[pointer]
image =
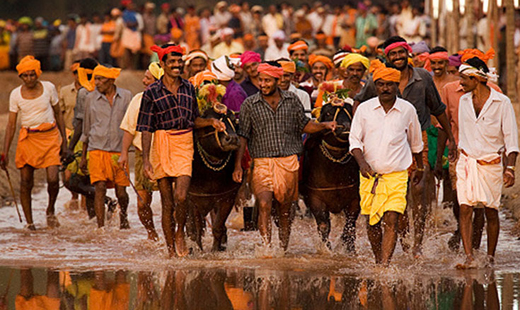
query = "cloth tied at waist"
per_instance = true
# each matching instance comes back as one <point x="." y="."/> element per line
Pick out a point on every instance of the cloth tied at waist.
<point x="172" y="153"/>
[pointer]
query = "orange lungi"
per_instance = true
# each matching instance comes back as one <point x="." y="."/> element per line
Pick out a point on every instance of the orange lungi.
<point x="278" y="175"/>
<point x="36" y="303"/>
<point x="172" y="153"/>
<point x="39" y="147"/>
<point x="102" y="166"/>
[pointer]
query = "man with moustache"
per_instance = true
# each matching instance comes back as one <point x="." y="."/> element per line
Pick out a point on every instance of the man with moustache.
<point x="249" y="62"/>
<point x="488" y="144"/>
<point x="169" y="110"/>
<point x="320" y="68"/>
<point x="196" y="61"/>
<point x="271" y="124"/>
<point x="384" y="136"/>
<point x="289" y="69"/>
<point x="417" y="87"/>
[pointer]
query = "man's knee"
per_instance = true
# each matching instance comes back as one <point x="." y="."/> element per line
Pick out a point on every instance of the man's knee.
<point x="100" y="186"/>
<point x="180" y="196"/>
<point x="491" y="214"/>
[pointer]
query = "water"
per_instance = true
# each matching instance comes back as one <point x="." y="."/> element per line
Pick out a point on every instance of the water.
<point x="81" y="266"/>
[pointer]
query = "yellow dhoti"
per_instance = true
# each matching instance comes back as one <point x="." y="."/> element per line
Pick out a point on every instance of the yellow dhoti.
<point x="38" y="147"/>
<point x="278" y="175"/>
<point x="172" y="153"/>
<point x="389" y="194"/>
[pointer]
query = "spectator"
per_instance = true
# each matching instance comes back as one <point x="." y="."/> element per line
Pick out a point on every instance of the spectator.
<point x="24" y="38"/>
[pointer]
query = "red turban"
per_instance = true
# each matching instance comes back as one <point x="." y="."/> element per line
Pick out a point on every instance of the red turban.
<point x="170" y="49"/>
<point x="396" y="45"/>
<point x="249" y="57"/>
<point x="270" y="70"/>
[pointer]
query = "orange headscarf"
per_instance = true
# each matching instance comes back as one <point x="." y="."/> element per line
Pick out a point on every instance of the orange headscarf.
<point x="109" y="73"/>
<point x="83" y="78"/>
<point x="473" y="52"/>
<point x="380" y="71"/>
<point x="28" y="63"/>
<point x="298" y="45"/>
<point x="288" y="66"/>
<point x="270" y="70"/>
<point x="319" y="58"/>
<point x="201" y="77"/>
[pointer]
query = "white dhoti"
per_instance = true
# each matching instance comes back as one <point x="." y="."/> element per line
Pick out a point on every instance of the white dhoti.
<point x="479" y="180"/>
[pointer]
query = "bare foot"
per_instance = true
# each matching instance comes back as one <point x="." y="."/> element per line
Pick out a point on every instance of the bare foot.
<point x="180" y="244"/>
<point x="153" y="236"/>
<point x="72" y="204"/>
<point x="52" y="221"/>
<point x="124" y="222"/>
<point x="30" y="227"/>
<point x="470" y="263"/>
<point x="417" y="253"/>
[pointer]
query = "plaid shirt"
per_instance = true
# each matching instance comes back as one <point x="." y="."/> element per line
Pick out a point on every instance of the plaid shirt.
<point x="273" y="133"/>
<point x="162" y="110"/>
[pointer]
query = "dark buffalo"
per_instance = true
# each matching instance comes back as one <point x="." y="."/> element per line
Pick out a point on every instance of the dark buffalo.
<point x="330" y="180"/>
<point x="212" y="188"/>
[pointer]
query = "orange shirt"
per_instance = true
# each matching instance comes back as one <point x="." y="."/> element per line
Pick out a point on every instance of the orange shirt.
<point x="108" y="27"/>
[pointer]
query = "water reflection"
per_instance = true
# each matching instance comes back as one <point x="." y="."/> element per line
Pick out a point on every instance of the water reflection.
<point x="251" y="289"/>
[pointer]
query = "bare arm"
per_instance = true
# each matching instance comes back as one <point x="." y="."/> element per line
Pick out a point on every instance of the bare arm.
<point x="61" y="126"/>
<point x="206" y="122"/>
<point x="443" y="120"/>
<point x="418" y="173"/>
<point x="364" y="167"/>
<point x="509" y="173"/>
<point x="313" y="127"/>
<point x="9" y="135"/>
<point x="441" y="145"/>
<point x="146" y="140"/>
<point x="127" y="142"/>
<point x="78" y="130"/>
<point x="237" y="174"/>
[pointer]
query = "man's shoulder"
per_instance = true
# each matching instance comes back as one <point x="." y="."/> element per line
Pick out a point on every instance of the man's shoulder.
<point x="451" y="86"/>
<point x="124" y="92"/>
<point x="67" y="88"/>
<point x="48" y="85"/>
<point x="423" y="73"/>
<point x="499" y="96"/>
<point x="368" y="104"/>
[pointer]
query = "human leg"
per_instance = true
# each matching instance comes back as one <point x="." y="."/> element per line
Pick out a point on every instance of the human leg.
<point x="167" y="220"/>
<point x="265" y="204"/>
<point x="478" y="226"/>
<point x="122" y="197"/>
<point x="26" y="186"/>
<point x="53" y="188"/>
<point x="145" y="213"/>
<point x="182" y="183"/>
<point x="466" y="214"/>
<point x="285" y="223"/>
<point x="493" y="230"/>
<point x="389" y="240"/>
<point x="99" y="202"/>
<point x="375" y="236"/>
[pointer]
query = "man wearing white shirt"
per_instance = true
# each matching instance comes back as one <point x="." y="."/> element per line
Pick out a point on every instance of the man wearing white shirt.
<point x="278" y="48"/>
<point x="289" y="69"/>
<point x="487" y="131"/>
<point x="385" y="133"/>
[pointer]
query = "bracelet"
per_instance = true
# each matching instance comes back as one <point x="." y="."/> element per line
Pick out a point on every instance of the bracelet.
<point x="513" y="168"/>
<point x="420" y="169"/>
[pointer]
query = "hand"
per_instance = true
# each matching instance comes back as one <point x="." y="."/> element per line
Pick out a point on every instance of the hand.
<point x="417" y="176"/>
<point x="438" y="171"/>
<point x="218" y="125"/>
<point x="237" y="174"/>
<point x="83" y="165"/>
<point x="365" y="170"/>
<point x="509" y="178"/>
<point x="123" y="160"/>
<point x="148" y="170"/>
<point x="4" y="161"/>
<point x="452" y="151"/>
<point x="330" y="125"/>
<point x="65" y="154"/>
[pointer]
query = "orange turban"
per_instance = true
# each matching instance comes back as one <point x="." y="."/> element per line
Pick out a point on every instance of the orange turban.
<point x="320" y="36"/>
<point x="298" y="45"/>
<point x="201" y="77"/>
<point x="28" y="63"/>
<point x="270" y="70"/>
<point x="83" y="78"/>
<point x="109" y="73"/>
<point x="470" y="53"/>
<point x="74" y="67"/>
<point x="176" y="33"/>
<point x="288" y="66"/>
<point x="380" y="71"/>
<point x="319" y="58"/>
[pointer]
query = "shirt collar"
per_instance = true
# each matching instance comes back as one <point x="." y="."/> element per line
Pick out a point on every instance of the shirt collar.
<point x="100" y="95"/>
<point x="397" y="105"/>
<point x="183" y="83"/>
<point x="258" y="96"/>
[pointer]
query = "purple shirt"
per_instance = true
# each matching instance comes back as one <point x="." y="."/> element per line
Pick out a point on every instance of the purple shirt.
<point x="234" y="96"/>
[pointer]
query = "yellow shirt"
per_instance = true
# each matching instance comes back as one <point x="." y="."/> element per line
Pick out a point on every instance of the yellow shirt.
<point x="129" y="122"/>
<point x="67" y="103"/>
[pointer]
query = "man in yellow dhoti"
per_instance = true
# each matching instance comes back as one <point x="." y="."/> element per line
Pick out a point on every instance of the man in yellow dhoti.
<point x="169" y="110"/>
<point x="385" y="133"/>
<point x="487" y="132"/>
<point x="42" y="135"/>
<point x="271" y="124"/>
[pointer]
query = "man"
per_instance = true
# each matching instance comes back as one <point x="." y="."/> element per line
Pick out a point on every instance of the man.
<point x="415" y="86"/>
<point x="249" y="63"/>
<point x="488" y="135"/>
<point x="144" y="186"/>
<point x="67" y="102"/>
<point x="272" y="21"/>
<point x="227" y="46"/>
<point x="271" y="124"/>
<point x="439" y="60"/>
<point x="196" y="61"/>
<point x="355" y="66"/>
<point x="289" y="69"/>
<point x="420" y="53"/>
<point x="235" y="95"/>
<point x="42" y="136"/>
<point x="278" y="48"/>
<point x="169" y="110"/>
<point x="298" y="51"/>
<point x="263" y="44"/>
<point x="102" y="140"/>
<point x="320" y="68"/>
<point x="385" y="133"/>
<point x="450" y="95"/>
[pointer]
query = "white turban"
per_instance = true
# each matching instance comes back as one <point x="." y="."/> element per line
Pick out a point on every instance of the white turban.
<point x="221" y="68"/>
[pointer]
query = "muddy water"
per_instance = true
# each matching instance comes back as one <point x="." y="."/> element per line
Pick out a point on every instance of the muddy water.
<point x="79" y="266"/>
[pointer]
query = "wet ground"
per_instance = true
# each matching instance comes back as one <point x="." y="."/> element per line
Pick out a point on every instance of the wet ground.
<point x="79" y="266"/>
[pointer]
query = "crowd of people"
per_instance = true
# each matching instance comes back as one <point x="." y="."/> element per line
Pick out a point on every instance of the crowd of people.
<point x="416" y="112"/>
<point x="123" y="36"/>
